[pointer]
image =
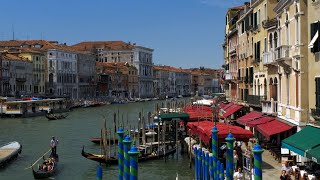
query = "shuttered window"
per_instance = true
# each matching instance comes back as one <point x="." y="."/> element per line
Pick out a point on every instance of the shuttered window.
<point x="314" y="28"/>
<point x="317" y="92"/>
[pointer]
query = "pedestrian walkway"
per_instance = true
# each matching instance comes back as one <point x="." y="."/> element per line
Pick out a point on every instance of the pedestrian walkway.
<point x="271" y="168"/>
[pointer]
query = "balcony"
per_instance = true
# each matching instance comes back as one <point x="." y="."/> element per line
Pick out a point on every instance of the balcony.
<point x="256" y="28"/>
<point x="232" y="51"/>
<point x="21" y="79"/>
<point x="269" y="107"/>
<point x="268" y="23"/>
<point x="254" y="100"/>
<point x="268" y="58"/>
<point x="282" y="52"/>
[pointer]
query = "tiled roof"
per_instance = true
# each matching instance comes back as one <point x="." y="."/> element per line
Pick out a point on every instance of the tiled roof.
<point x="171" y="69"/>
<point x="7" y="56"/>
<point x="107" y="45"/>
<point x="45" y="45"/>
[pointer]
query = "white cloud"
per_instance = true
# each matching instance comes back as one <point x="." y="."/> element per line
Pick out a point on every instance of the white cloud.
<point x="222" y="3"/>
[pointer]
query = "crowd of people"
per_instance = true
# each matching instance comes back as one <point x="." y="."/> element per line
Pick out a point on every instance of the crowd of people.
<point x="47" y="165"/>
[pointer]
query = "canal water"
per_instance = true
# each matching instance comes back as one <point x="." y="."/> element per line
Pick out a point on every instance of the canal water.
<point x="74" y="132"/>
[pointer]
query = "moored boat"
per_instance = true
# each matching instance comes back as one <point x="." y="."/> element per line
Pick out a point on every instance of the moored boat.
<point x="9" y="152"/>
<point x="98" y="157"/>
<point x="55" y="116"/>
<point x="143" y="156"/>
<point x="47" y="168"/>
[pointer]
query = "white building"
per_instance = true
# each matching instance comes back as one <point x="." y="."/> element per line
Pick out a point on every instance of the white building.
<point x="62" y="73"/>
<point x="119" y="51"/>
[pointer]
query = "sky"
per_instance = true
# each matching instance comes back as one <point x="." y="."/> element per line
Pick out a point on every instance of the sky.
<point x="183" y="33"/>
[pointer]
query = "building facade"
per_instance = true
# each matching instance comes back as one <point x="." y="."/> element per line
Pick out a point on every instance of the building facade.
<point x="39" y="61"/>
<point x="292" y="58"/>
<point x="232" y="52"/>
<point x="119" y="51"/>
<point x="314" y="59"/>
<point x="16" y="76"/>
<point x="86" y="75"/>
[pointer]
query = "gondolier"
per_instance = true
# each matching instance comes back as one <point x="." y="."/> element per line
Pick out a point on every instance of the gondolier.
<point x="53" y="143"/>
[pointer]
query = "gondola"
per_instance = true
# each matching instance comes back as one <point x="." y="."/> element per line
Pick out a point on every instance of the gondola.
<point x="41" y="174"/>
<point x="97" y="140"/>
<point x="112" y="161"/>
<point x="55" y="117"/>
<point x="98" y="157"/>
<point x="9" y="152"/>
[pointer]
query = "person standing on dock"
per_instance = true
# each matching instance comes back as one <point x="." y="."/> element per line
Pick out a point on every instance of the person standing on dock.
<point x="53" y="143"/>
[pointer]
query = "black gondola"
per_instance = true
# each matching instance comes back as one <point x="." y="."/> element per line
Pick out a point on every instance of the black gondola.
<point x="41" y="174"/>
<point x="112" y="161"/>
<point x="55" y="117"/>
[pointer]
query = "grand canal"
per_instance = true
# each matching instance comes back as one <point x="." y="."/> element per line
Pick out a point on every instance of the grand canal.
<point x="73" y="132"/>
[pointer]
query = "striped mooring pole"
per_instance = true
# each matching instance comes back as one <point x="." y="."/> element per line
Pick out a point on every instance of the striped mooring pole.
<point x="195" y="151"/>
<point x="221" y="171"/>
<point x="210" y="167"/>
<point x="257" y="153"/>
<point x="127" y="144"/>
<point x="199" y="162"/>
<point x="120" y="153"/>
<point x="133" y="153"/>
<point x="207" y="165"/>
<point x="214" y="145"/>
<point x="203" y="167"/>
<point x="229" y="171"/>
<point x="99" y="172"/>
<point x="218" y="170"/>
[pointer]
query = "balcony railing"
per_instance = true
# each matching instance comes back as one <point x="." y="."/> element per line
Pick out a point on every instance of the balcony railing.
<point x="315" y="113"/>
<point x="255" y="100"/>
<point x="21" y="79"/>
<point x="270" y="107"/>
<point x="269" y="23"/>
<point x="268" y="57"/>
<point x="282" y="52"/>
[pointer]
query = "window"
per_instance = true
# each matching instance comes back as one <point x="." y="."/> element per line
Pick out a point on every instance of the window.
<point x="265" y="44"/>
<point x="317" y="92"/>
<point x="315" y="43"/>
<point x="258" y="19"/>
<point x="265" y="12"/>
<point x="242" y="27"/>
<point x="297" y="25"/>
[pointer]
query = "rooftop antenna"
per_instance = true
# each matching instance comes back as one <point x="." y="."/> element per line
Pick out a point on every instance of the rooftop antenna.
<point x="12" y="32"/>
<point x="41" y="35"/>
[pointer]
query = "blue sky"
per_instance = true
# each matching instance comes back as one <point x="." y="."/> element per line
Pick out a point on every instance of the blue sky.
<point x="183" y="33"/>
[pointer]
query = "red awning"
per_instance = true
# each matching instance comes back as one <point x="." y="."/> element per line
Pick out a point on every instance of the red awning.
<point x="249" y="117"/>
<point x="231" y="110"/>
<point x="222" y="104"/>
<point x="227" y="106"/>
<point x="272" y="127"/>
<point x="261" y="120"/>
<point x="203" y="131"/>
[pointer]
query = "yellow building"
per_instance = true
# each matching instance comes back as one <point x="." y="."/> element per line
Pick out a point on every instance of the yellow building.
<point x="262" y="11"/>
<point x="291" y="54"/>
<point x="245" y="48"/>
<point x="39" y="62"/>
<point x="314" y="58"/>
